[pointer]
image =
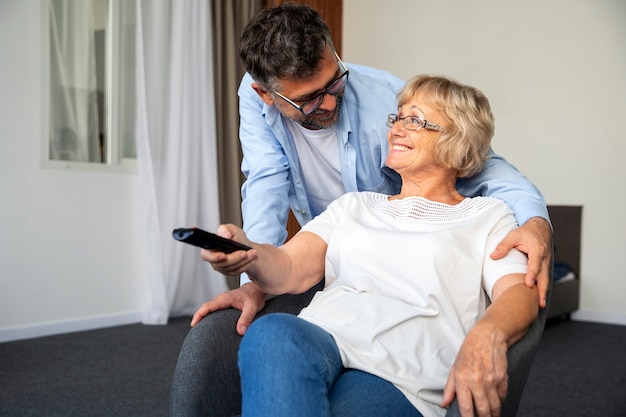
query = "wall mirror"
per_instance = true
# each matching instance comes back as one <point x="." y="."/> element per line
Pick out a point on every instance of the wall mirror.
<point x="89" y="82"/>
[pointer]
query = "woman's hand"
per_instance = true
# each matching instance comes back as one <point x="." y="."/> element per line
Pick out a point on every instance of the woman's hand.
<point x="478" y="376"/>
<point x="232" y="263"/>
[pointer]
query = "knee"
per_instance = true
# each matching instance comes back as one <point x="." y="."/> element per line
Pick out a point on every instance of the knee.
<point x="270" y="335"/>
<point x="213" y="337"/>
<point x="264" y="330"/>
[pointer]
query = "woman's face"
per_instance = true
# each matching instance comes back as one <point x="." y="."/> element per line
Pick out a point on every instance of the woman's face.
<point x="412" y="151"/>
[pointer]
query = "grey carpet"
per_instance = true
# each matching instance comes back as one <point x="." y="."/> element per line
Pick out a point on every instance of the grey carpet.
<point x="113" y="372"/>
<point x="579" y="370"/>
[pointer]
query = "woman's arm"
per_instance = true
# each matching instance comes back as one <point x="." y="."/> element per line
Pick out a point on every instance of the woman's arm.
<point x="479" y="374"/>
<point x="292" y="268"/>
<point x="502" y="180"/>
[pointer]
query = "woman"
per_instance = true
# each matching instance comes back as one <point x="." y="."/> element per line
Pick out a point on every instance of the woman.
<point x="402" y="325"/>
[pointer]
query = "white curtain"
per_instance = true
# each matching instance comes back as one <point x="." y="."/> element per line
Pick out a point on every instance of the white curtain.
<point x="74" y="119"/>
<point x="126" y="87"/>
<point x="176" y="151"/>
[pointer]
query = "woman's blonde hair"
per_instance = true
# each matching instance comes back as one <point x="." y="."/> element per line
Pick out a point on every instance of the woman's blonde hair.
<point x="466" y="138"/>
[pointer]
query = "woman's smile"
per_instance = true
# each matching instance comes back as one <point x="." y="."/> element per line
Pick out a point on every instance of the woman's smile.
<point x="400" y="147"/>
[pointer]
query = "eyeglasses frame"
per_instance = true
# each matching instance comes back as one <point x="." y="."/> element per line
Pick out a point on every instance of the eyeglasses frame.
<point x="394" y="118"/>
<point x="321" y="94"/>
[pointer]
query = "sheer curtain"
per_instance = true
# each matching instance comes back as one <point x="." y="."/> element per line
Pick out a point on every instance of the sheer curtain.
<point x="176" y="151"/>
<point x="74" y="119"/>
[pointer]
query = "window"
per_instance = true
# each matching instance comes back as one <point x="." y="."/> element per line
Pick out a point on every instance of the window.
<point x="90" y="82"/>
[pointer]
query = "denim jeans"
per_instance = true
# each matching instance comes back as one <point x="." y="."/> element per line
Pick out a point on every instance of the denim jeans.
<point x="206" y="378"/>
<point x="290" y="367"/>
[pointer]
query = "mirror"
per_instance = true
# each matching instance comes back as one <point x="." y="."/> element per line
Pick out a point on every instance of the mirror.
<point x="91" y="106"/>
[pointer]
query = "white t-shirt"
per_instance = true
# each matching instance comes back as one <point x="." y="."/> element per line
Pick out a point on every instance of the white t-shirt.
<point x="320" y="165"/>
<point x="405" y="281"/>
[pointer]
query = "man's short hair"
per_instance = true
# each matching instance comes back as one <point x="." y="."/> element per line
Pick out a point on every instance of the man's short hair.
<point x="284" y="42"/>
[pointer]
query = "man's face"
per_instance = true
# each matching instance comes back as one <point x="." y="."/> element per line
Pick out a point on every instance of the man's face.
<point x="322" y="118"/>
<point x="302" y="90"/>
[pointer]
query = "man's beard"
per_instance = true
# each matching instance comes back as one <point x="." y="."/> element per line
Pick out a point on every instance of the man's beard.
<point x="328" y="121"/>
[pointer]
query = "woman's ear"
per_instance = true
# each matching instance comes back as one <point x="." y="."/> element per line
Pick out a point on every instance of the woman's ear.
<point x="263" y="93"/>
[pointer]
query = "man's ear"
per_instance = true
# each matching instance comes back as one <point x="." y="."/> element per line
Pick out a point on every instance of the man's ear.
<point x="263" y="93"/>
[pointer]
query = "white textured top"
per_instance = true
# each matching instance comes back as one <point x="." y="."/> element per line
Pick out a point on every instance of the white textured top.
<point x="405" y="281"/>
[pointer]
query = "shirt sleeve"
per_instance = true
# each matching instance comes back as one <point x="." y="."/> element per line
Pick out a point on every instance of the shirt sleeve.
<point x="265" y="192"/>
<point x="324" y="225"/>
<point x="500" y="179"/>
<point x="513" y="263"/>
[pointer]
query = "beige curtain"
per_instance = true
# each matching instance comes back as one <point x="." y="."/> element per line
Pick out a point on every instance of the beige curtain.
<point x="229" y="18"/>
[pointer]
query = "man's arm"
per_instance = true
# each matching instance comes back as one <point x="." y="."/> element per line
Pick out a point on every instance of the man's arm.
<point x="502" y="180"/>
<point x="265" y="193"/>
<point x="265" y="204"/>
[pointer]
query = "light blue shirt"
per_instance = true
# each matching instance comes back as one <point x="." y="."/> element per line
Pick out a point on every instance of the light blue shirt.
<point x="273" y="179"/>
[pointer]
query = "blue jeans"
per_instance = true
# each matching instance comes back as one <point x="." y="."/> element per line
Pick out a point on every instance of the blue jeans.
<point x="290" y="367"/>
<point x="206" y="379"/>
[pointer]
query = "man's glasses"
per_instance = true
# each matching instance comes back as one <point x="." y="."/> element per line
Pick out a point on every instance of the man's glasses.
<point x="335" y="87"/>
<point x="412" y="122"/>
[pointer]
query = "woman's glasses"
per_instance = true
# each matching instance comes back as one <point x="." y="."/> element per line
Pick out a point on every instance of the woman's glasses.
<point x="412" y="122"/>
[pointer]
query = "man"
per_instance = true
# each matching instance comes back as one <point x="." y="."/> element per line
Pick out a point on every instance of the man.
<point x="313" y="128"/>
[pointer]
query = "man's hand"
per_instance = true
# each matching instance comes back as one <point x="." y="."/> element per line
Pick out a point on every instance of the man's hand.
<point x="249" y="299"/>
<point x="478" y="376"/>
<point x="534" y="238"/>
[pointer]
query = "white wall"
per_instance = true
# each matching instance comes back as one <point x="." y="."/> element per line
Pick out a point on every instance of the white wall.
<point x="555" y="74"/>
<point x="70" y="251"/>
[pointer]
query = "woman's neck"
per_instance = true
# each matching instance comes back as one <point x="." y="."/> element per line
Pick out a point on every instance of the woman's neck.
<point x="437" y="188"/>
